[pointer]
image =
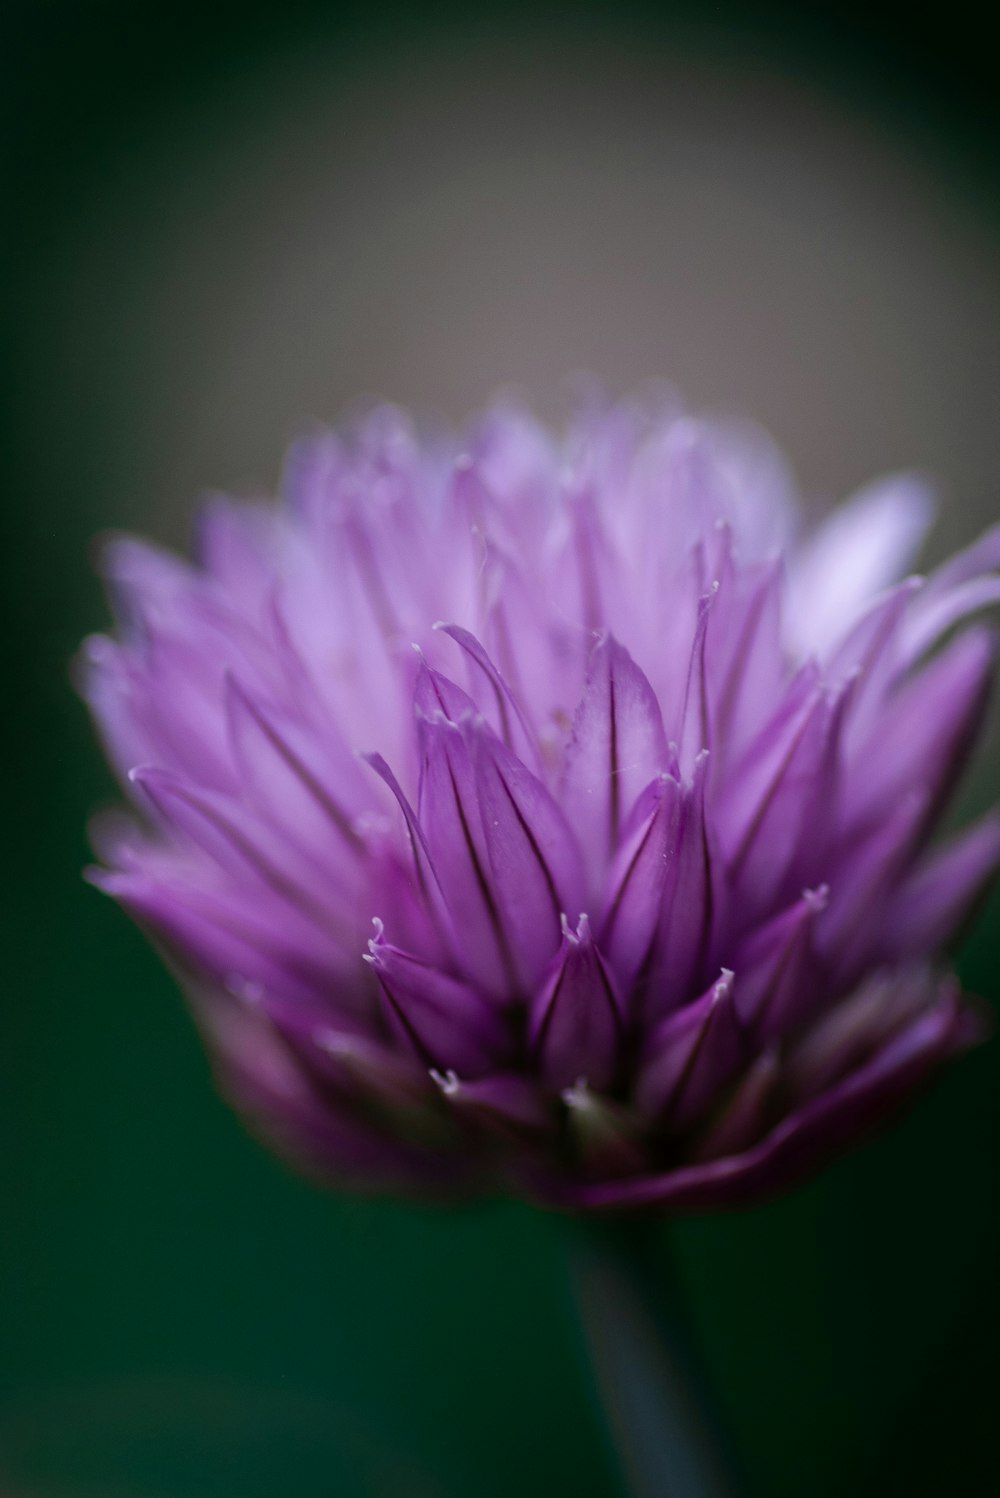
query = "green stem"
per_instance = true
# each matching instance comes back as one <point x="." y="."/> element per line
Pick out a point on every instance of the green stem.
<point x="631" y="1309"/>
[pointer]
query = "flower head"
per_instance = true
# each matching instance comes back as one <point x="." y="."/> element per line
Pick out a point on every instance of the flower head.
<point x="553" y="815"/>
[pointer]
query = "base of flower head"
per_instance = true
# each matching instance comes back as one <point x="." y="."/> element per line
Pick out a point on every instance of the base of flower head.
<point x="350" y="1114"/>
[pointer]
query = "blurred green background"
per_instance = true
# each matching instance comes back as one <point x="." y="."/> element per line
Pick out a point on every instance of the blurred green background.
<point x="221" y="223"/>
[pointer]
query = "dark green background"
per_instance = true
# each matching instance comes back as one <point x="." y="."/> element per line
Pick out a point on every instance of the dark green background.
<point x="179" y="1317"/>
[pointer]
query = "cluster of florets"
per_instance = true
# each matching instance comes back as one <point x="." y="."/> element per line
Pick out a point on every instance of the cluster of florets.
<point x="553" y="815"/>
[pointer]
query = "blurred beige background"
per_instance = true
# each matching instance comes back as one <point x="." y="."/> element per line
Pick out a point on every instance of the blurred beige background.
<point x="428" y="226"/>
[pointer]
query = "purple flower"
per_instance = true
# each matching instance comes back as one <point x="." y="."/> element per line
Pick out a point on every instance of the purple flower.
<point x="553" y="815"/>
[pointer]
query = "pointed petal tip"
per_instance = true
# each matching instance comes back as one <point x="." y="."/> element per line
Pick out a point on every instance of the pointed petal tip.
<point x="579" y="935"/>
<point x="578" y="1096"/>
<point x="817" y="899"/>
<point x="447" y="1082"/>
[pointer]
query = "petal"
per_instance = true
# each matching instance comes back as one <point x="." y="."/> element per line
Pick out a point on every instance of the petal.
<point x="776" y="978"/>
<point x="324" y="1134"/>
<point x="435" y="695"/>
<point x="575" y="1021"/>
<point x="690" y="1057"/>
<point x="746" y="668"/>
<point x="143" y="577"/>
<point x="243" y="846"/>
<point x="963" y="585"/>
<point x="694" y="733"/>
<point x="864" y="546"/>
<point x="975" y="560"/>
<point x="747" y="1113"/>
<point x="927" y="625"/>
<point x="368" y="1072"/>
<point x="774" y="806"/>
<point x="805" y="1140"/>
<point x="177" y="686"/>
<point x="686" y="936"/>
<point x="453" y="832"/>
<point x="286" y="778"/>
<point x="924" y="733"/>
<point x="505" y="1104"/>
<point x="512" y="721"/>
<point x="872" y="653"/>
<point x="934" y="902"/>
<point x="604" y="1138"/>
<point x="445" y="1022"/>
<point x="618" y="746"/>
<point x="864" y="878"/>
<point x="238" y="545"/>
<point x="748" y="789"/>
<point x="431" y="895"/>
<point x="534" y="859"/>
<point x="233" y="939"/>
<point x="847" y="1035"/>
<point x="639" y="878"/>
<point x="106" y="677"/>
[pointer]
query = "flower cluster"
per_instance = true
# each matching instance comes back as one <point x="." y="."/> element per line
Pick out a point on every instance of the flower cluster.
<point x="553" y="815"/>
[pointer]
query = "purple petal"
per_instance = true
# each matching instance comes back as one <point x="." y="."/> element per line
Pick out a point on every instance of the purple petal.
<point x="505" y="1103"/>
<point x="863" y="547"/>
<point x="534" y="859"/>
<point x="447" y="1023"/>
<point x="774" y="982"/>
<point x="235" y="544"/>
<point x="925" y="731"/>
<point x="639" y="879"/>
<point x="748" y="789"/>
<point x="685" y="940"/>
<point x="234" y="939"/>
<point x="747" y="1113"/>
<point x="745" y="659"/>
<point x="107" y="679"/>
<point x="846" y="1036"/>
<point x="437" y="696"/>
<point x="512" y="722"/>
<point x="943" y="613"/>
<point x="285" y="776"/>
<point x="428" y="884"/>
<point x="964" y="585"/>
<point x="773" y="803"/>
<point x="618" y="746"/>
<point x="144" y="577"/>
<point x="244" y="846"/>
<point x="371" y="1073"/>
<point x="323" y="1135"/>
<point x="934" y="902"/>
<point x="691" y="1055"/>
<point x="827" y="1125"/>
<point x="975" y="560"/>
<point x="450" y="817"/>
<point x="694" y="734"/>
<point x="604" y="1137"/>
<point x="575" y="1022"/>
<point x="865" y="875"/>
